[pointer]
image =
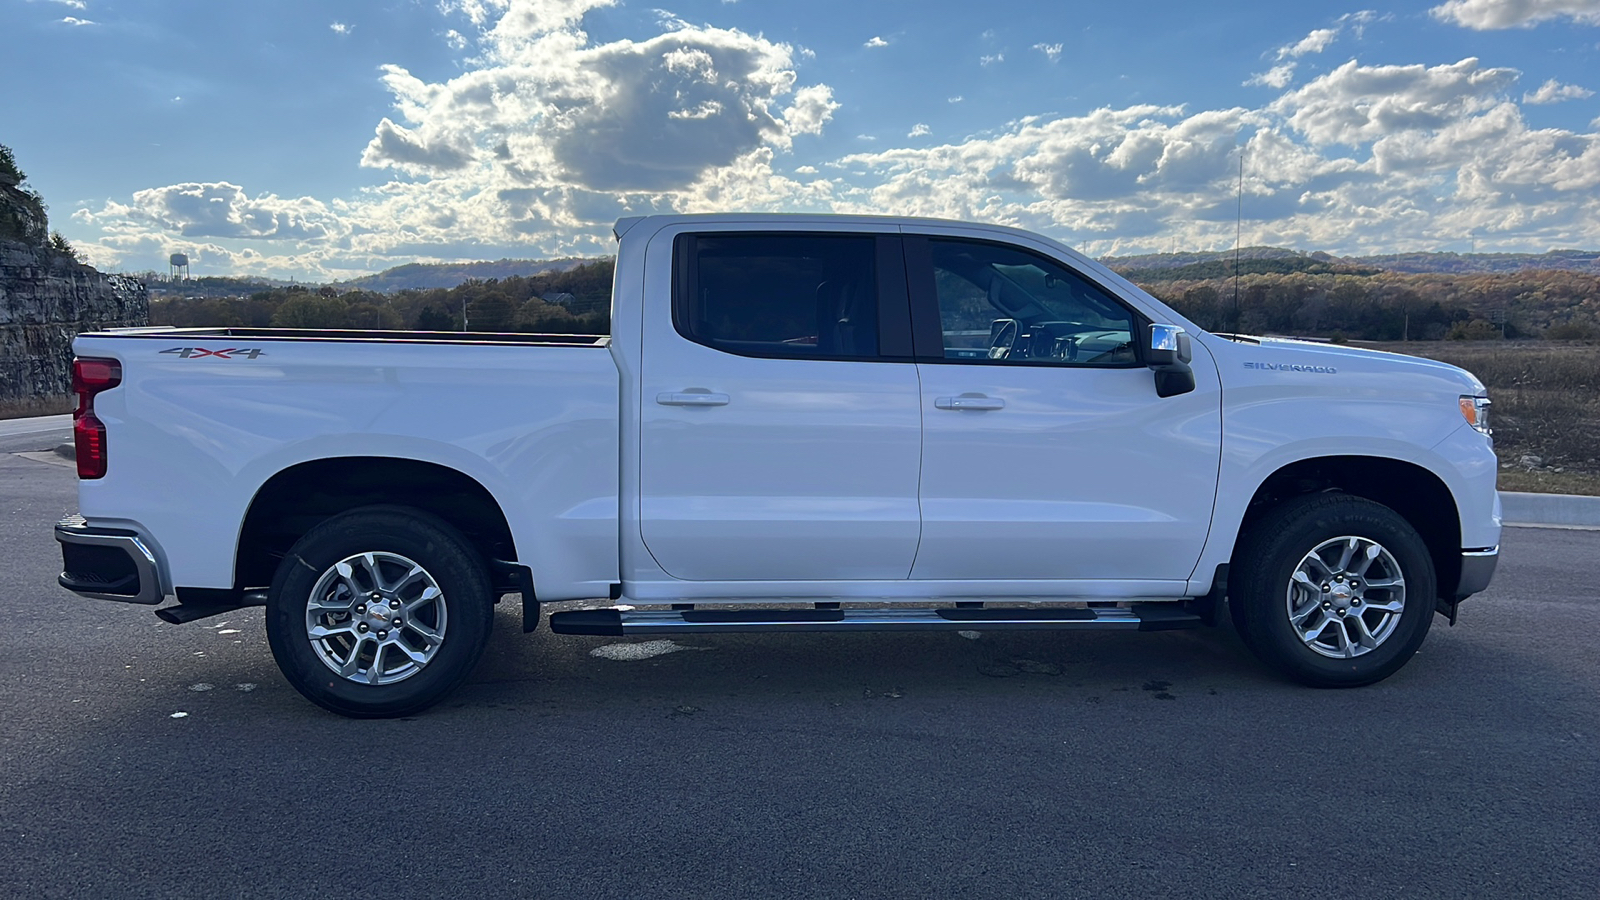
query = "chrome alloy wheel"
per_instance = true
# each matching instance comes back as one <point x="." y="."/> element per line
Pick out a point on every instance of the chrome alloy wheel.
<point x="376" y="618"/>
<point x="1346" y="596"/>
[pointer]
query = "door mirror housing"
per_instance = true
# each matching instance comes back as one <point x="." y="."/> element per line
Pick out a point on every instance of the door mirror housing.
<point x="1168" y="346"/>
<point x="1167" y="353"/>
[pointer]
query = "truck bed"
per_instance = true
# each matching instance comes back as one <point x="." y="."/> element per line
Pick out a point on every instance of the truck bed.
<point x="207" y="419"/>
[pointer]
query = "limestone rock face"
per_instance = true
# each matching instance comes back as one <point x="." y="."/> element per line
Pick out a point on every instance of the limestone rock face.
<point x="46" y="299"/>
<point x="22" y="216"/>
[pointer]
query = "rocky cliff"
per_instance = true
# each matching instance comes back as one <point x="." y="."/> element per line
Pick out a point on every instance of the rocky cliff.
<point x="46" y="298"/>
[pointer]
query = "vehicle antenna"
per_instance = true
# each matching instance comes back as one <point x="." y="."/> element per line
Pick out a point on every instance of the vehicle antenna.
<point x="1238" y="235"/>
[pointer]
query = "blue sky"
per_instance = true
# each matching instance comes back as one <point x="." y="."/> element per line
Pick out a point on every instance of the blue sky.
<point x="324" y="139"/>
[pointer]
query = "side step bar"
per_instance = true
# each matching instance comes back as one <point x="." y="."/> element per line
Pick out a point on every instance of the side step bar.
<point x="620" y="623"/>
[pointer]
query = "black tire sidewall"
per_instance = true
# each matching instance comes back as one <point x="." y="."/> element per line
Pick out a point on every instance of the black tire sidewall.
<point x="429" y="542"/>
<point x="1268" y="557"/>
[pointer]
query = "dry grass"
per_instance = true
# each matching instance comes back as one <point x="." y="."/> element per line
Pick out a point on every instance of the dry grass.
<point x="1540" y="482"/>
<point x="36" y="406"/>
<point x="1546" y="414"/>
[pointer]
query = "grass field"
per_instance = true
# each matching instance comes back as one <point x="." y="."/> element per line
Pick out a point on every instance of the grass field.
<point x="1546" y="413"/>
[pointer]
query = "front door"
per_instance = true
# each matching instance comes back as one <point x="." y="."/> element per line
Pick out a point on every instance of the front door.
<point x="1046" y="452"/>
<point x="779" y="413"/>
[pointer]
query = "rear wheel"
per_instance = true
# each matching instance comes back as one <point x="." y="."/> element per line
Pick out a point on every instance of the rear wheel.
<point x="1332" y="590"/>
<point x="379" y="612"/>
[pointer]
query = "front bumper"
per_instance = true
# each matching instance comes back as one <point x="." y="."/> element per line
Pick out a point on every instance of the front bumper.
<point x="1477" y="569"/>
<point x="107" y="563"/>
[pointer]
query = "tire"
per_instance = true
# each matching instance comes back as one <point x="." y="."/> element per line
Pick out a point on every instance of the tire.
<point x="428" y="578"/>
<point x="1376" y="613"/>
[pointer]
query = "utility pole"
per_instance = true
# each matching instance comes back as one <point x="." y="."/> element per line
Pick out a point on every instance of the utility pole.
<point x="463" y="313"/>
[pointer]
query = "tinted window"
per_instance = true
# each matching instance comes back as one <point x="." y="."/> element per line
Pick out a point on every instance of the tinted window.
<point x="798" y="295"/>
<point x="1003" y="304"/>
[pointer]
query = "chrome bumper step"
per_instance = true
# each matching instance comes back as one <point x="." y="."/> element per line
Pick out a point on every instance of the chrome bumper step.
<point x="629" y="622"/>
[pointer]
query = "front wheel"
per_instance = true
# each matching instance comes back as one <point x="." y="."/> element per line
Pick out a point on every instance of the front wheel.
<point x="379" y="612"/>
<point x="1332" y="590"/>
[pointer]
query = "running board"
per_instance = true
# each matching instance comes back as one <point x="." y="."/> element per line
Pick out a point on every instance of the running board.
<point x="619" y="622"/>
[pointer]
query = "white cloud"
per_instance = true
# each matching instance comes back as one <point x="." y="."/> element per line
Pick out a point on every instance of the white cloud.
<point x="543" y="138"/>
<point x="552" y="109"/>
<point x="75" y="21"/>
<point x="956" y="99"/>
<point x="876" y="42"/>
<point x="73" y="4"/>
<point x="1355" y="104"/>
<point x="1315" y="42"/>
<point x="991" y="59"/>
<point x="520" y="20"/>
<point x="1359" y="21"/>
<point x="813" y="107"/>
<point x="538" y="144"/>
<point x="1486" y="15"/>
<point x="341" y="28"/>
<point x="1553" y="91"/>
<point x="223" y="210"/>
<point x="1276" y="77"/>
<point x="1364" y="158"/>
<point x="1051" y="51"/>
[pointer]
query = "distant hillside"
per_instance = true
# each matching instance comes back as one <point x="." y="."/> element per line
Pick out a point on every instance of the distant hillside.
<point x="1277" y="260"/>
<point x="1569" y="260"/>
<point x="1259" y="265"/>
<point x="424" y="276"/>
<point x="1198" y="257"/>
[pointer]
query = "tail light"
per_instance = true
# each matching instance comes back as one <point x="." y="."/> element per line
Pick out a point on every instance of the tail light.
<point x="90" y="377"/>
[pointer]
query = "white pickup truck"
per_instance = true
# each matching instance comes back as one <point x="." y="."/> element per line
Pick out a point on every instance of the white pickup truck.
<point x="798" y="423"/>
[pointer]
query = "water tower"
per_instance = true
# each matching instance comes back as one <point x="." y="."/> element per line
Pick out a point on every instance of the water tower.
<point x="178" y="263"/>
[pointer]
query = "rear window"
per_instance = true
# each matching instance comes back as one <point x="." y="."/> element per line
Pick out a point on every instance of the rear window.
<point x="784" y="295"/>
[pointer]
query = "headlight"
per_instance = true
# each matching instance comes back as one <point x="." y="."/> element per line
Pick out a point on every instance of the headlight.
<point x="1476" y="411"/>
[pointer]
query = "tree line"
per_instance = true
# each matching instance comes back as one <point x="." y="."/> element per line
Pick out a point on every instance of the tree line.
<point x="1392" y="306"/>
<point x="1337" y="305"/>
<point x="576" y="301"/>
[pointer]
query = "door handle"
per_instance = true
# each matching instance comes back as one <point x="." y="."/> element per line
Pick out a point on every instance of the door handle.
<point x="691" y="398"/>
<point x="969" y="401"/>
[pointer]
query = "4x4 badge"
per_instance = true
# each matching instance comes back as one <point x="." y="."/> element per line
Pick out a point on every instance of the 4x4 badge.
<point x="230" y="353"/>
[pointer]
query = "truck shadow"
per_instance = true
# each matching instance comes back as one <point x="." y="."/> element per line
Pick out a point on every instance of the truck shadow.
<point x="545" y="667"/>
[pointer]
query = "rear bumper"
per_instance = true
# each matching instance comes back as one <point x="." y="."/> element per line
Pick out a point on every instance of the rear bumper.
<point x="1477" y="570"/>
<point x="107" y="563"/>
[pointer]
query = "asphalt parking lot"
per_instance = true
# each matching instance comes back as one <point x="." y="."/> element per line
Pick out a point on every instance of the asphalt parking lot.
<point x="144" y="759"/>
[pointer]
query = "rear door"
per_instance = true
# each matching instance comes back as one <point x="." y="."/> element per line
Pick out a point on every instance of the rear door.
<point x="779" y="417"/>
<point x="1046" y="452"/>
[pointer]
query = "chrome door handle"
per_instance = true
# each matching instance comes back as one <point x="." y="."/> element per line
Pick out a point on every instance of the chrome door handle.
<point x="969" y="401"/>
<point x="691" y="398"/>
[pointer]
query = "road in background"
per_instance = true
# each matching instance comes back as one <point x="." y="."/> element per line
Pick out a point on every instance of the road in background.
<point x="35" y="425"/>
<point x="144" y="759"/>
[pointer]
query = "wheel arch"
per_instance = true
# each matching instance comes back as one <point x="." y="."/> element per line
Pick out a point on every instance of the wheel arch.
<point x="297" y="498"/>
<point x="1417" y="494"/>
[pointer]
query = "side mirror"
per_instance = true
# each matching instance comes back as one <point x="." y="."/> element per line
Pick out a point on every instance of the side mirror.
<point x="1169" y="346"/>
<point x="1168" y="354"/>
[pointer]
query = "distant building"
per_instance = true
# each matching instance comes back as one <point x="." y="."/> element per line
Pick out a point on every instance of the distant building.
<point x="559" y="298"/>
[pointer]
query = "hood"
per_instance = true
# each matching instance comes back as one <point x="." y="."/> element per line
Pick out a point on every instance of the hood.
<point x="1272" y="352"/>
